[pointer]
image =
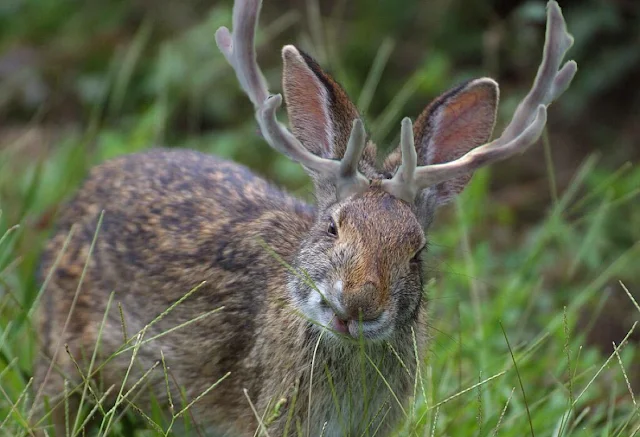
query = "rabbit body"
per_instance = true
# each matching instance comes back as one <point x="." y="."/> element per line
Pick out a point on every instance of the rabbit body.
<point x="174" y="220"/>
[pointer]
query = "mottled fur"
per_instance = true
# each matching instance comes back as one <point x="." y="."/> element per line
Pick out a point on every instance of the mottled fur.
<point x="175" y="219"/>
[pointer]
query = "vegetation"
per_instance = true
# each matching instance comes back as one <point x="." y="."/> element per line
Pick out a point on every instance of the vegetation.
<point x="533" y="269"/>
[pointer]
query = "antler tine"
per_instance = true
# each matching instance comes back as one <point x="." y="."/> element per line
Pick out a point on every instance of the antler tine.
<point x="402" y="185"/>
<point x="239" y="50"/>
<point x="350" y="180"/>
<point x="549" y="82"/>
<point x="527" y="123"/>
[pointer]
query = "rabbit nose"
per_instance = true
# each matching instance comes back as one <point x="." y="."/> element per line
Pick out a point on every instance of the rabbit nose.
<point x="364" y="303"/>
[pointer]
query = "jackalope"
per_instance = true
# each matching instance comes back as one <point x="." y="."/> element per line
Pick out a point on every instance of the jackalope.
<point x="321" y="308"/>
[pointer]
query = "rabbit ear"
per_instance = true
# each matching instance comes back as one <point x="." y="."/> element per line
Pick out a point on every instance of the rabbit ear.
<point x="320" y="112"/>
<point x="456" y="122"/>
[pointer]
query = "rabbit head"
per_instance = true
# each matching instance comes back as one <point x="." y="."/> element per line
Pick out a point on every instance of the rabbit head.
<point x="360" y="270"/>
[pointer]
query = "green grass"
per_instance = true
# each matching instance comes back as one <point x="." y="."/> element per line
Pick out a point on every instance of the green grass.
<point x="514" y="298"/>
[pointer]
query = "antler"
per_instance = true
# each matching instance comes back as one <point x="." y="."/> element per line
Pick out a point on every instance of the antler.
<point x="524" y="129"/>
<point x="239" y="50"/>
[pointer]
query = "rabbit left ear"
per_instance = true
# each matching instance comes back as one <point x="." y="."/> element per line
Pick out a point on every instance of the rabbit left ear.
<point x="320" y="112"/>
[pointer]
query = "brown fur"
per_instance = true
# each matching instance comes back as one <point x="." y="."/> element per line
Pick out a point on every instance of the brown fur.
<point x="176" y="219"/>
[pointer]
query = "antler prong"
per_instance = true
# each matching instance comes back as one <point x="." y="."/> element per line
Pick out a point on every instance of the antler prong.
<point x="224" y="41"/>
<point x="557" y="43"/>
<point x="355" y="147"/>
<point x="350" y="180"/>
<point x="401" y="185"/>
<point x="562" y="81"/>
<point x="524" y="129"/>
<point x="238" y="47"/>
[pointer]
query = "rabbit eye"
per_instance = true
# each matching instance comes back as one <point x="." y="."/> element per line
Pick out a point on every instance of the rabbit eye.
<point x="417" y="258"/>
<point x="332" y="229"/>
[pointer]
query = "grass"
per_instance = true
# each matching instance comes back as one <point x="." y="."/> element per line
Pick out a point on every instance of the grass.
<point x="513" y="305"/>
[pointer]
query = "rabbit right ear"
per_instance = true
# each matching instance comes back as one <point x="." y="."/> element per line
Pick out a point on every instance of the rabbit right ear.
<point x="320" y="112"/>
<point x="455" y="123"/>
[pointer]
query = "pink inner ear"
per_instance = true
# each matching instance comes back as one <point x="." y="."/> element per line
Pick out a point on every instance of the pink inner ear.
<point x="455" y="123"/>
<point x="461" y="124"/>
<point x="307" y="106"/>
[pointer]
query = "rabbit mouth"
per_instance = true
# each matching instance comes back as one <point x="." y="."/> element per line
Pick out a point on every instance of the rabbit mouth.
<point x="325" y="310"/>
<point x="376" y="329"/>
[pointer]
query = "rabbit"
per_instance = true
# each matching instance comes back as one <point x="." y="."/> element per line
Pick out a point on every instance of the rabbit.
<point x="276" y="316"/>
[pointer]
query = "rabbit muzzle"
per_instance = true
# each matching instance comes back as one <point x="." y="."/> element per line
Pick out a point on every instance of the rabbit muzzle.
<point x="356" y="313"/>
